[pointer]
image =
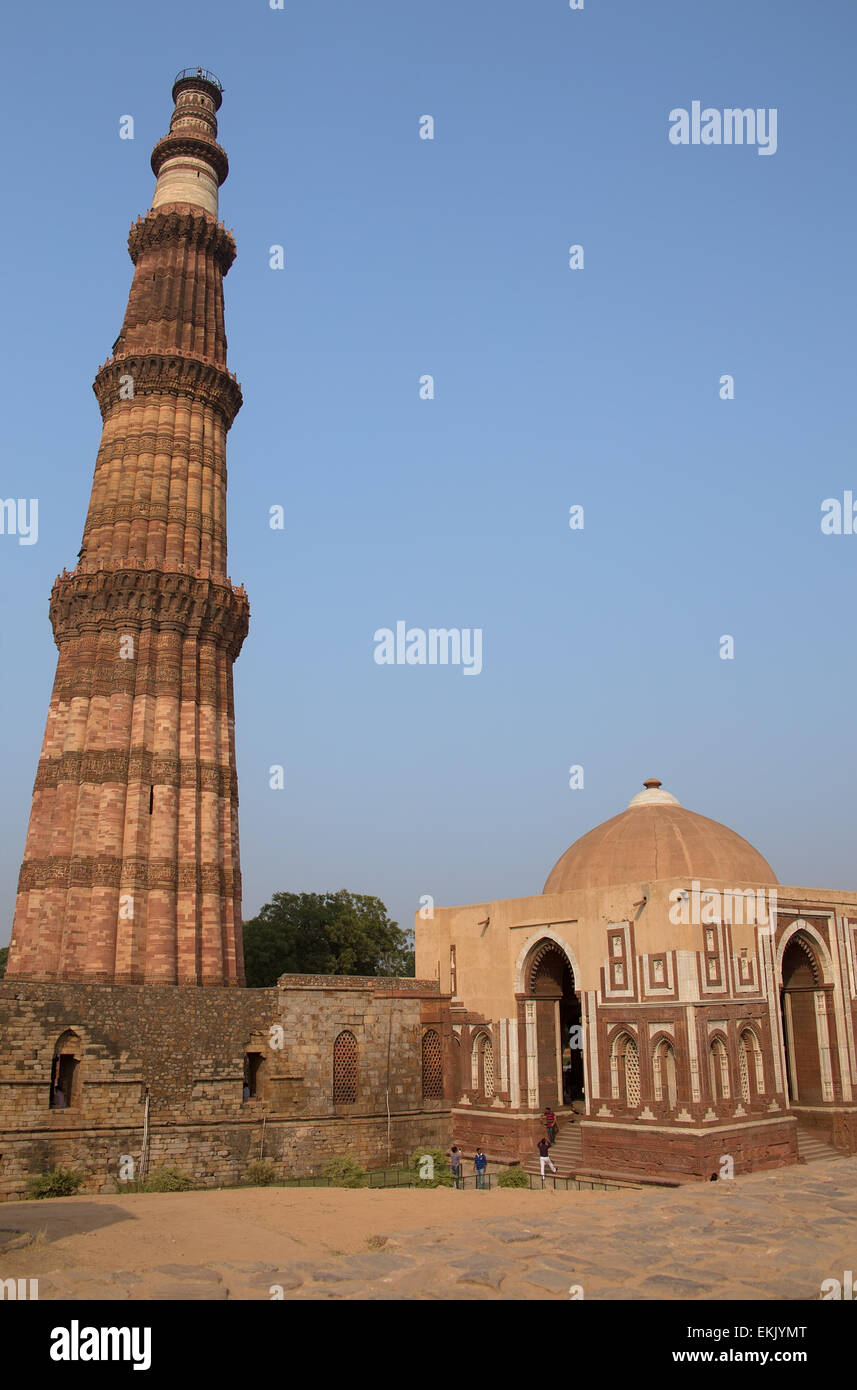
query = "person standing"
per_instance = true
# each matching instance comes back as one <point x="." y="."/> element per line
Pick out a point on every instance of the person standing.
<point x="455" y="1164"/>
<point x="550" y="1125"/>
<point x="481" y="1164"/>
<point x="544" y="1157"/>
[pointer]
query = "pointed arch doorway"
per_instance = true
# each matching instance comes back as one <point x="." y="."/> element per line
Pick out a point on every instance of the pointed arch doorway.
<point x="555" y="1011"/>
<point x="804" y="1017"/>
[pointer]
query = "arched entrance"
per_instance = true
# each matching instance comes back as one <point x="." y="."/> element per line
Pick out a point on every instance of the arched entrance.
<point x="804" y="1016"/>
<point x="65" y="1071"/>
<point x="550" y="985"/>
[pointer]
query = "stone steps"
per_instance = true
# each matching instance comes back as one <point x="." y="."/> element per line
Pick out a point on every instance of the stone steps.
<point x="566" y="1154"/>
<point x="811" y="1149"/>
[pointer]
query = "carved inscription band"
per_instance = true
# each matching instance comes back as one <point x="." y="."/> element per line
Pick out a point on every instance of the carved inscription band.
<point x="153" y="769"/>
<point x="106" y="871"/>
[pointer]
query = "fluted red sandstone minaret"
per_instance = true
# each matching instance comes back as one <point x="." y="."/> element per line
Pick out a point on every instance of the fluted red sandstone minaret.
<point x="131" y="869"/>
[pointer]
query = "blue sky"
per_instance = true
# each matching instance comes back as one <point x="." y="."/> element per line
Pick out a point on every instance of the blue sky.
<point x="553" y="387"/>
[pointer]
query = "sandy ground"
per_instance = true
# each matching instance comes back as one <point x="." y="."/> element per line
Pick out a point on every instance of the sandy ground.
<point x="767" y="1236"/>
<point x="143" y="1230"/>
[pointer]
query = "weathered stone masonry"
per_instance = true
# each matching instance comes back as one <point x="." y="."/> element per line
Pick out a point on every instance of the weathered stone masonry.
<point x="187" y="1047"/>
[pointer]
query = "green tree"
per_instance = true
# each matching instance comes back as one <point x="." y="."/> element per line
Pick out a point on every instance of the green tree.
<point x="324" y="934"/>
<point x="4" y="956"/>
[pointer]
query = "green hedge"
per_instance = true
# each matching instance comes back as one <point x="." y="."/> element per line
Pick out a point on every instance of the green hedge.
<point x="513" y="1177"/>
<point x="438" y="1167"/>
<point x="58" y="1182"/>
<point x="169" y="1180"/>
<point x="344" y="1171"/>
<point x="260" y="1172"/>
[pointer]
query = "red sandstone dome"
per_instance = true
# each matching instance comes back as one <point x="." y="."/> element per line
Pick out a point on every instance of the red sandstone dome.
<point x="655" y="837"/>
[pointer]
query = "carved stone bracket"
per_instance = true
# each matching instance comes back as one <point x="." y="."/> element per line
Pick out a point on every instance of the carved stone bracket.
<point x="197" y="146"/>
<point x="187" y="604"/>
<point x="182" y="222"/>
<point x="158" y="373"/>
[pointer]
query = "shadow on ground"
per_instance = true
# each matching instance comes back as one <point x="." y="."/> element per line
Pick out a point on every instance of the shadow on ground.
<point x="54" y="1217"/>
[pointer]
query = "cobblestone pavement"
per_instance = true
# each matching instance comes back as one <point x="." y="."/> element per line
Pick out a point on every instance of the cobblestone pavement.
<point x="767" y="1236"/>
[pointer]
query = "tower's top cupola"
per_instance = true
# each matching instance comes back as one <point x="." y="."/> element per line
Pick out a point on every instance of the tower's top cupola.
<point x="189" y="164"/>
<point x="195" y="77"/>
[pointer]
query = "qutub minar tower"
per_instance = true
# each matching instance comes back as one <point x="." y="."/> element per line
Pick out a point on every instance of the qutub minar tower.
<point x="122" y="1033"/>
<point x="131" y="868"/>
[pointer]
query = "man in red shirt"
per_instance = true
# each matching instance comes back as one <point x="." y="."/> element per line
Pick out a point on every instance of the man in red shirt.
<point x="550" y="1125"/>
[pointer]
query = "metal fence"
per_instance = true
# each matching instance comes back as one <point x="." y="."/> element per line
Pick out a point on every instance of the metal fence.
<point x="403" y="1177"/>
<point x="561" y="1184"/>
<point x="389" y="1177"/>
<point x="198" y="73"/>
<point x="580" y="1184"/>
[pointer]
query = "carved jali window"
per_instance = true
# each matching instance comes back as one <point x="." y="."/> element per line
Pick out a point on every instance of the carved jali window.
<point x="345" y="1069"/>
<point x="743" y="1070"/>
<point x="432" y="1066"/>
<point x="632" y="1074"/>
<point x="749" y="1047"/>
<point x="487" y="1068"/>
<point x="625" y="1069"/>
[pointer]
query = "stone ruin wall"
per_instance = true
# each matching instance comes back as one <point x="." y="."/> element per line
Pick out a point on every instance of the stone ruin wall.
<point x="188" y="1047"/>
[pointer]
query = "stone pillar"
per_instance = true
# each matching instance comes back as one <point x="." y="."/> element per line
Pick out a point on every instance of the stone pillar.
<point x="532" y="1054"/>
<point x="790" y="1044"/>
<point x="822" y="1029"/>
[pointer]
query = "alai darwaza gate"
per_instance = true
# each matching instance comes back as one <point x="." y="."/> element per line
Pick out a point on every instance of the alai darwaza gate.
<point x="668" y="997"/>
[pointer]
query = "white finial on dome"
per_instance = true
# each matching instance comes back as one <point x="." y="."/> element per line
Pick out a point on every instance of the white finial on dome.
<point x="653" y="795"/>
